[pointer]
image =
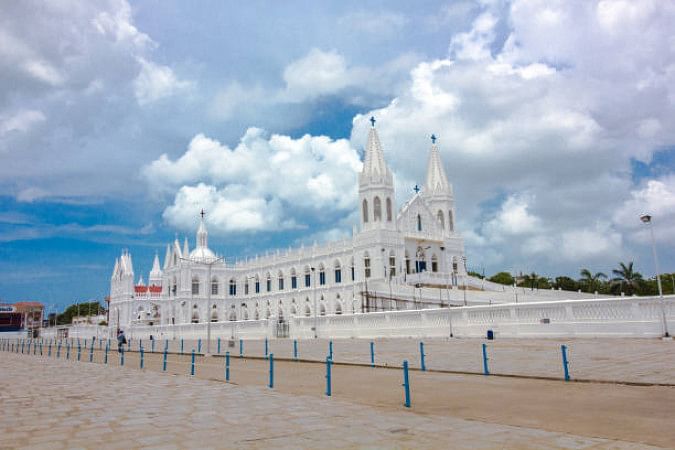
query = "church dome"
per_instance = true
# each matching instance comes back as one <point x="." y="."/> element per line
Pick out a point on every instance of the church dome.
<point x="202" y="254"/>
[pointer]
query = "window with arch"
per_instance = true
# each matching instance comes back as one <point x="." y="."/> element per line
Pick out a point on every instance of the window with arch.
<point x="294" y="279"/>
<point x="281" y="280"/>
<point x="389" y="211"/>
<point x="195" y="286"/>
<point x="268" y="285"/>
<point x="419" y="223"/>
<point x="174" y="287"/>
<point x="392" y="264"/>
<point x="195" y="314"/>
<point x="366" y="265"/>
<point x="214" y="286"/>
<point x="364" y="208"/>
<point x="257" y="285"/>
<point x="308" y="311"/>
<point x="338" y="308"/>
<point x="441" y="219"/>
<point x="308" y="277"/>
<point x="377" y="209"/>
<point x="451" y="222"/>
<point x="407" y="262"/>
<point x="246" y="286"/>
<point x="322" y="275"/>
<point x="214" y="313"/>
<point x="322" y="308"/>
<point x="434" y="263"/>
<point x="338" y="272"/>
<point x="420" y="260"/>
<point x="233" y="287"/>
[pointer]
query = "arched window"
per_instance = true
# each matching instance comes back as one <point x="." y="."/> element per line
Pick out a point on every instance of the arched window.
<point x="294" y="310"/>
<point x="294" y="279"/>
<point x="392" y="264"/>
<point x="195" y="314"/>
<point x="233" y="314"/>
<point x="308" y="311"/>
<point x="420" y="260"/>
<point x="434" y="263"/>
<point x="389" y="212"/>
<point x="351" y="266"/>
<point x="338" y="271"/>
<point x="407" y="262"/>
<point x="269" y="282"/>
<point x="322" y="309"/>
<point x="377" y="209"/>
<point x="308" y="276"/>
<point x="338" y="308"/>
<point x="195" y="286"/>
<point x="365" y="210"/>
<point x="257" y="284"/>
<point x="174" y="287"/>
<point x="322" y="275"/>
<point x="451" y="222"/>
<point x="419" y="223"/>
<point x="214" y="314"/>
<point x="214" y="286"/>
<point x="280" y="277"/>
<point x="366" y="264"/>
<point x="233" y="287"/>
<point x="441" y="220"/>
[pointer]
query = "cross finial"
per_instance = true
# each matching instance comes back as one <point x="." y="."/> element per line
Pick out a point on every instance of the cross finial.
<point x="372" y="121"/>
<point x="202" y="213"/>
<point x="433" y="138"/>
<point x="416" y="189"/>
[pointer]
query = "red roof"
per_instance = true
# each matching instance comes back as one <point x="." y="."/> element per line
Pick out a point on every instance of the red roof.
<point x="156" y="289"/>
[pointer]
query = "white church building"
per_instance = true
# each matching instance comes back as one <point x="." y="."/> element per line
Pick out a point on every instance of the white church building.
<point x="408" y="259"/>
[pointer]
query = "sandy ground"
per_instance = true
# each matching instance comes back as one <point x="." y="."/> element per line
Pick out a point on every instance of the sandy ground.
<point x="641" y="414"/>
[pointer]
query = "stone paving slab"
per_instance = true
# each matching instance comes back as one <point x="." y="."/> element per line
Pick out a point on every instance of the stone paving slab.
<point x="49" y="403"/>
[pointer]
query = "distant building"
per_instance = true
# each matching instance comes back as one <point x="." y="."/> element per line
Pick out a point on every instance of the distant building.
<point x="21" y="317"/>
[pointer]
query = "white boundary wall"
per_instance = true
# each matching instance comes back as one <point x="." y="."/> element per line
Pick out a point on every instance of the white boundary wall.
<point x="615" y="317"/>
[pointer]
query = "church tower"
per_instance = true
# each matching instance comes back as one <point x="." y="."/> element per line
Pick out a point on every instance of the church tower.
<point x="155" y="278"/>
<point x="376" y="187"/>
<point x="438" y="192"/>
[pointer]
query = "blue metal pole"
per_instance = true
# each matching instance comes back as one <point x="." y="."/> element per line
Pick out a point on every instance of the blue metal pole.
<point x="67" y="351"/>
<point x="227" y="366"/>
<point x="565" y="362"/>
<point x="192" y="369"/>
<point x="79" y="351"/>
<point x="486" y="370"/>
<point x="164" y="361"/>
<point x="122" y="358"/>
<point x="142" y="358"/>
<point x="152" y="346"/>
<point x="91" y="353"/>
<point x="422" y="355"/>
<point x="166" y="344"/>
<point x="140" y="344"/>
<point x="241" y="348"/>
<point x="22" y="344"/>
<point x="58" y="350"/>
<point x="328" y="380"/>
<point x="199" y="345"/>
<point x="295" y="349"/>
<point x="330" y="349"/>
<point x="219" y="346"/>
<point x="271" y="385"/>
<point x="41" y="343"/>
<point x="406" y="384"/>
<point x="107" y="347"/>
<point x="181" y="346"/>
<point x="266" y="348"/>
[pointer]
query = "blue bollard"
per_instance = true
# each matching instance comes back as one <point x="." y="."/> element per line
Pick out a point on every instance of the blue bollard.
<point x="423" y="366"/>
<point x="67" y="351"/>
<point x="192" y="367"/>
<point x="140" y="344"/>
<point x="22" y="344"/>
<point x="219" y="346"/>
<point x="199" y="345"/>
<point x="406" y="384"/>
<point x="565" y="362"/>
<point x="295" y="349"/>
<point x="41" y="343"/>
<point x="91" y="354"/>
<point x="271" y="358"/>
<point x="181" y="346"/>
<point x="105" y="358"/>
<point x="49" y="350"/>
<point x="372" y="354"/>
<point x="227" y="366"/>
<point x="122" y="358"/>
<point x="330" y="350"/>
<point x="100" y="344"/>
<point x="164" y="360"/>
<point x="266" y="349"/>
<point x="241" y="348"/>
<point x="166" y="345"/>
<point x="58" y="351"/>
<point x="328" y="380"/>
<point x="486" y="370"/>
<point x="152" y="346"/>
<point x="142" y="359"/>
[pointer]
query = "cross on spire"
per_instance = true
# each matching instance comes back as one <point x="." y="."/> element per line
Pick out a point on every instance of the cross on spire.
<point x="372" y="121"/>
<point x="416" y="189"/>
<point x="202" y="213"/>
<point x="433" y="138"/>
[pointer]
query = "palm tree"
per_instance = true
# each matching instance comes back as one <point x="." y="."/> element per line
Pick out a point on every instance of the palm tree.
<point x="625" y="275"/>
<point x="591" y="280"/>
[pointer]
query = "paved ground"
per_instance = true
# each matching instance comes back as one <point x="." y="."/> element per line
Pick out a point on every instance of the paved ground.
<point x="49" y="403"/>
<point x="626" y="360"/>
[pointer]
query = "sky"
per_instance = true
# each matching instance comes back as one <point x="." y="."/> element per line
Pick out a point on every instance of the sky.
<point x="120" y="121"/>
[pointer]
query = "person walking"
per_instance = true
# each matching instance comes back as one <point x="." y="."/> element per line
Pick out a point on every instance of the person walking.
<point x="121" y="341"/>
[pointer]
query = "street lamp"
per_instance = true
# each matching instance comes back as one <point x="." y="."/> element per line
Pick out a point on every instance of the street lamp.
<point x="647" y="220"/>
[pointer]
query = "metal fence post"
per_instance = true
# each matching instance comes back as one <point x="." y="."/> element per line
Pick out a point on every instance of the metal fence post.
<point x="91" y="353"/>
<point x="422" y="355"/>
<point x="122" y="358"/>
<point x="79" y="351"/>
<point x="164" y="361"/>
<point x="295" y="349"/>
<point x="142" y="357"/>
<point x="328" y="380"/>
<point x="199" y="345"/>
<point x="406" y="384"/>
<point x="152" y="346"/>
<point x="271" y="358"/>
<point x="219" y="346"/>
<point x="241" y="348"/>
<point x="227" y="366"/>
<point x="58" y="350"/>
<point x="107" y="348"/>
<point x="181" y="346"/>
<point x="192" y="369"/>
<point x="266" y="349"/>
<point x="565" y="362"/>
<point x="330" y="349"/>
<point x="486" y="370"/>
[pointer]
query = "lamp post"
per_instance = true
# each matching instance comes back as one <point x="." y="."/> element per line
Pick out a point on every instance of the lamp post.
<point x="647" y="220"/>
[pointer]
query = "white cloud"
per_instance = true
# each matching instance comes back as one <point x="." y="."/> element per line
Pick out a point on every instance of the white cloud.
<point x="20" y="121"/>
<point x="155" y="82"/>
<point x="317" y="73"/>
<point x="264" y="183"/>
<point x="377" y="24"/>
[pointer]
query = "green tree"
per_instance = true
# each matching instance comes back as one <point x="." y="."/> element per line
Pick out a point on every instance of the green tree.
<point x="626" y="279"/>
<point x="502" y="278"/>
<point x="533" y="281"/>
<point x="566" y="283"/>
<point x="591" y="281"/>
<point x="82" y="309"/>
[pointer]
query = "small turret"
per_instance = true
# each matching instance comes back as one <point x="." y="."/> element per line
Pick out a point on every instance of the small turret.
<point x="155" y="278"/>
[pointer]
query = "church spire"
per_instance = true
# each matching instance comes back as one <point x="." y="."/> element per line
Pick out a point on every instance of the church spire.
<point x="155" y="277"/>
<point x="437" y="180"/>
<point x="202" y="234"/>
<point x="186" y="248"/>
<point x="374" y="165"/>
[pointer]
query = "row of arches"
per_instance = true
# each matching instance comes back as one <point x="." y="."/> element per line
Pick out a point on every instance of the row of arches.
<point x="377" y="210"/>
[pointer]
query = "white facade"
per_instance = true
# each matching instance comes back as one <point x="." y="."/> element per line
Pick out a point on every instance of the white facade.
<point x="332" y="279"/>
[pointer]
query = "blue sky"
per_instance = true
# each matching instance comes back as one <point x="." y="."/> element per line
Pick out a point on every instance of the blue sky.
<point x="119" y="121"/>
